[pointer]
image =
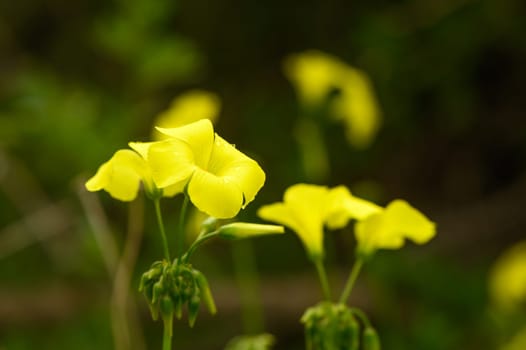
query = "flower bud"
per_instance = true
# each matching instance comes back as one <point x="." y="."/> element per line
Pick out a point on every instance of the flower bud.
<point x="206" y="295"/>
<point x="370" y="339"/>
<point x="193" y="309"/>
<point x="238" y="230"/>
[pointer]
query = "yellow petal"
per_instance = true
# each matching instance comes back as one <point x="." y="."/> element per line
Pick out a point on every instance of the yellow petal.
<point x="199" y="136"/>
<point x="171" y="163"/>
<point x="359" y="208"/>
<point x="357" y="107"/>
<point x="336" y="214"/>
<point x="313" y="74"/>
<point x="388" y="229"/>
<point x="219" y="197"/>
<point x="188" y="108"/>
<point x="410" y="222"/>
<point x="233" y="166"/>
<point x="310" y="235"/>
<point x="120" y="176"/>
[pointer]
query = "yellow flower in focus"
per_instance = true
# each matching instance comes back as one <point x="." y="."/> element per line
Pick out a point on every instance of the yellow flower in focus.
<point x="307" y="208"/>
<point x="507" y="281"/>
<point x="122" y="175"/>
<point x="219" y="179"/>
<point x="315" y="74"/>
<point x="388" y="228"/>
<point x="188" y="108"/>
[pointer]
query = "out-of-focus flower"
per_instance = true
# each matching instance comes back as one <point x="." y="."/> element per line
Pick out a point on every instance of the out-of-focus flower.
<point x="219" y="179"/>
<point x="507" y="282"/>
<point x="388" y="228"/>
<point x="188" y="108"/>
<point x="315" y="74"/>
<point x="517" y="342"/>
<point x="307" y="208"/>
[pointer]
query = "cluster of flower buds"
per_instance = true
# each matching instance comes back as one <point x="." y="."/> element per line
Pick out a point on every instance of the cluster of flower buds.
<point x="330" y="326"/>
<point x="169" y="287"/>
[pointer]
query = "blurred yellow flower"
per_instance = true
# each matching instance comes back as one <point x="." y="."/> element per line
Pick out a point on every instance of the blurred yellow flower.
<point x="315" y="74"/>
<point x="219" y="179"/>
<point x="188" y="108"/>
<point x="507" y="282"/>
<point x="122" y="175"/>
<point x="388" y="228"/>
<point x="307" y="208"/>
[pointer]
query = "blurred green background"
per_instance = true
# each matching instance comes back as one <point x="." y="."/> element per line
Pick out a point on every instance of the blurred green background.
<point x="79" y="79"/>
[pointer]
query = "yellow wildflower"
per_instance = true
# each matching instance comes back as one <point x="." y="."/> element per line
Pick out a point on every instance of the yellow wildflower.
<point x="220" y="180"/>
<point x="315" y="74"/>
<point x="307" y="208"/>
<point x="388" y="228"/>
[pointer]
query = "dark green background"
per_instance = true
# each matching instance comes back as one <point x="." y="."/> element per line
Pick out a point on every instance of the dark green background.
<point x="79" y="79"/>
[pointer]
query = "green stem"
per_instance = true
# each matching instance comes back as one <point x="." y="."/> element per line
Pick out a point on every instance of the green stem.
<point x="180" y="237"/>
<point x="362" y="316"/>
<point x="323" y="279"/>
<point x="355" y="271"/>
<point x="157" y="204"/>
<point x="200" y="240"/>
<point x="247" y="277"/>
<point x="167" y="333"/>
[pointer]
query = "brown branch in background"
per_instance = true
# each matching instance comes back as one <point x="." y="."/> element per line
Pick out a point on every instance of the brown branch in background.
<point x="127" y="331"/>
<point x="41" y="219"/>
<point x="125" y="319"/>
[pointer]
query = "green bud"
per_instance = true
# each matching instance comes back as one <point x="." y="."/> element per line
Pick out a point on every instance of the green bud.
<point x="193" y="309"/>
<point x="239" y="230"/>
<point x="166" y="306"/>
<point x="158" y="290"/>
<point x="154" y="311"/>
<point x="179" y="306"/>
<point x="370" y="341"/>
<point x="206" y="295"/>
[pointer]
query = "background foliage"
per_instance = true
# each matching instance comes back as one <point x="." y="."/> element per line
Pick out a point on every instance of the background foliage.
<point x="80" y="79"/>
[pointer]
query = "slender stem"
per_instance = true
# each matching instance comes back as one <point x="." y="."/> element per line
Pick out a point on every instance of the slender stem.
<point x="355" y="271"/>
<point x="362" y="316"/>
<point x="167" y="333"/>
<point x="156" y="202"/>
<point x="248" y="281"/>
<point x="180" y="237"/>
<point x="202" y="237"/>
<point x="323" y="279"/>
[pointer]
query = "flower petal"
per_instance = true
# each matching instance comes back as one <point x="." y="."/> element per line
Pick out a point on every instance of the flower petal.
<point x="389" y="228"/>
<point x="229" y="163"/>
<point x="120" y="176"/>
<point x="403" y="218"/>
<point x="199" y="136"/>
<point x="219" y="197"/>
<point x="171" y="162"/>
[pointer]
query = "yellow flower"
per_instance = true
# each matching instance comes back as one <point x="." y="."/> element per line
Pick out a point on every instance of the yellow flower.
<point x="122" y="175"/>
<point x="188" y="108"/>
<point x="307" y="208"/>
<point x="219" y="179"/>
<point x="315" y="74"/>
<point x="388" y="228"/>
<point x="507" y="280"/>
